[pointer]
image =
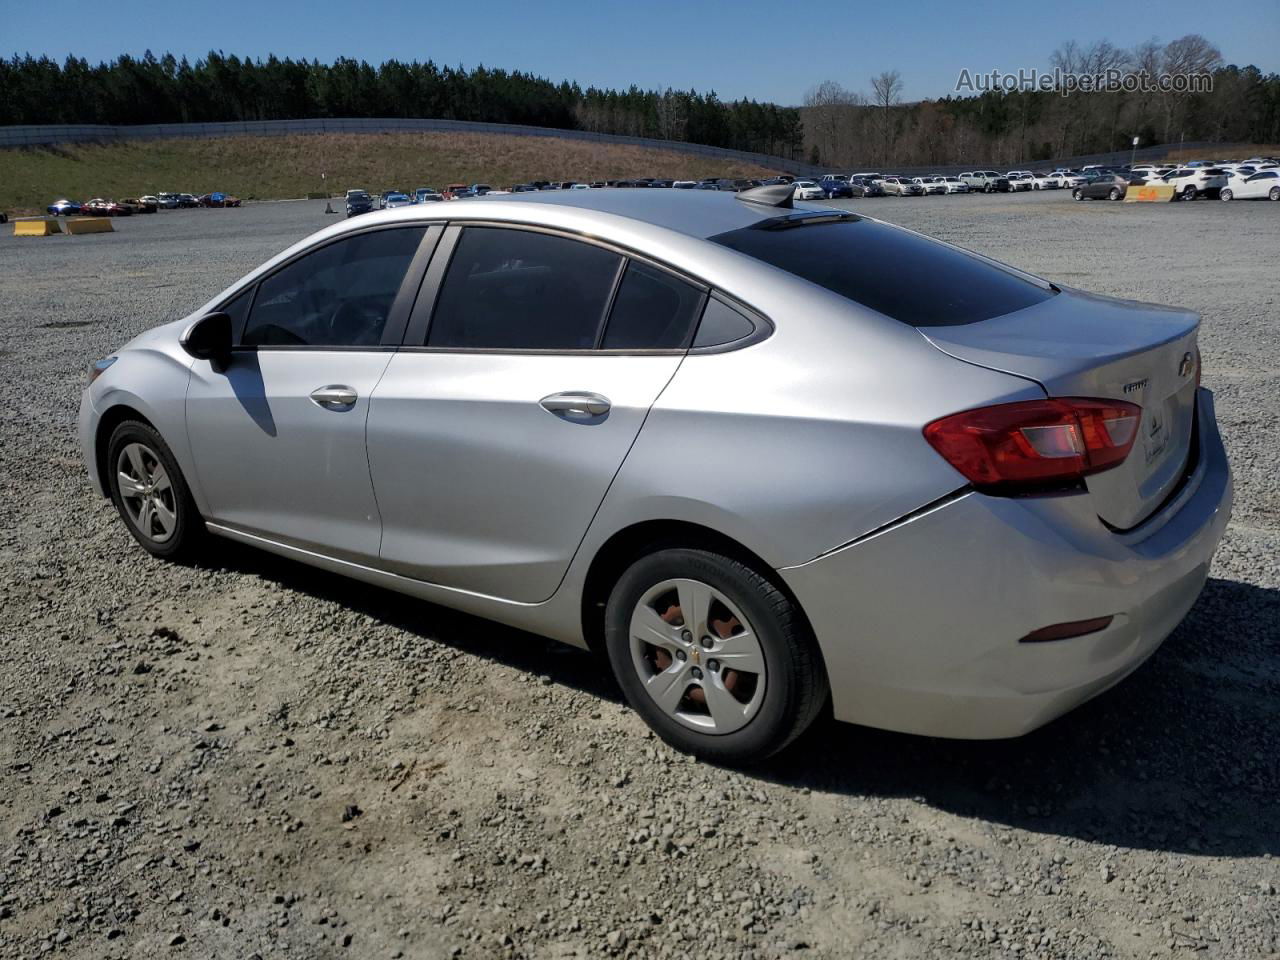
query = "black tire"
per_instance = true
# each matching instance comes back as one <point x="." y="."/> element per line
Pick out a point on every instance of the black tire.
<point x="796" y="687"/>
<point x="189" y="533"/>
<point x="1225" y="194"/>
<point x="1273" y="193"/>
<point x="1114" y="194"/>
<point x="1188" y="192"/>
<point x="1076" y="194"/>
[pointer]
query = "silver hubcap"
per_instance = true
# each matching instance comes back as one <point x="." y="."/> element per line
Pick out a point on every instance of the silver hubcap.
<point x="697" y="656"/>
<point x="146" y="492"/>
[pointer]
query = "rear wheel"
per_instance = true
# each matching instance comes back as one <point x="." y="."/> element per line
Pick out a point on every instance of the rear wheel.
<point x="1076" y="194"/>
<point x="150" y="493"/>
<point x="713" y="656"/>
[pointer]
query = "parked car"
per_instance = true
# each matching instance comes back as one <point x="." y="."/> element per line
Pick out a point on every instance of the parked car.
<point x="1102" y="186"/>
<point x="168" y="201"/>
<point x="188" y="201"/>
<point x="1020" y="180"/>
<point x="901" y="187"/>
<point x="581" y="186"/>
<point x="98" y="207"/>
<point x="454" y="190"/>
<point x="1256" y="186"/>
<point x="872" y="186"/>
<point x="141" y="204"/>
<point x="1056" y="437"/>
<point x="955" y="185"/>
<point x="63" y="208"/>
<point x="393" y="200"/>
<point x="1044" y="181"/>
<point x="480" y="189"/>
<point x="836" y="187"/>
<point x="429" y="195"/>
<point x="1065" y="179"/>
<point x="808" y="190"/>
<point x="986" y="181"/>
<point x="685" y="184"/>
<point x="358" y="202"/>
<point x="218" y="199"/>
<point x="1192" y="182"/>
<point x="931" y="184"/>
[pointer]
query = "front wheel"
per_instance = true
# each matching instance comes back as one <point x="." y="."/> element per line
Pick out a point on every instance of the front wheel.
<point x="713" y="657"/>
<point x="1188" y="192"/>
<point x="1114" y="194"/>
<point x="150" y="493"/>
<point x="1076" y="194"/>
<point x="1225" y="194"/>
<point x="1274" y="193"/>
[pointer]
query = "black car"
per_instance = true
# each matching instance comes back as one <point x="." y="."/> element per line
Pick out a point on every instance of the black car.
<point x="358" y="201"/>
<point x="837" y="188"/>
<point x="1102" y="186"/>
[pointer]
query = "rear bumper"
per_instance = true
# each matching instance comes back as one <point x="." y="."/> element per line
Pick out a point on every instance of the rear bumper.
<point x="919" y="625"/>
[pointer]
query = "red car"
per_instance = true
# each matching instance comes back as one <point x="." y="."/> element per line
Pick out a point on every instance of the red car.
<point x="98" y="207"/>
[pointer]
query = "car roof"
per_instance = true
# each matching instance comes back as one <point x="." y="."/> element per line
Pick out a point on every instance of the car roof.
<point x="699" y="214"/>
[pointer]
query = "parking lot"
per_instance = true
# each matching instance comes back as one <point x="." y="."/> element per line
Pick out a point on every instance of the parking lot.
<point x="253" y="758"/>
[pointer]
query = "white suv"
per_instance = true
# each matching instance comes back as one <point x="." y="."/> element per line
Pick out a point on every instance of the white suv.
<point x="1192" y="182"/>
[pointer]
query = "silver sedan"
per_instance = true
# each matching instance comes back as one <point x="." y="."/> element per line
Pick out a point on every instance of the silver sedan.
<point x="732" y="443"/>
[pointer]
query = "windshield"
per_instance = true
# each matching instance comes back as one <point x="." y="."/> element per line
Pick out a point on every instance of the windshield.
<point x="877" y="265"/>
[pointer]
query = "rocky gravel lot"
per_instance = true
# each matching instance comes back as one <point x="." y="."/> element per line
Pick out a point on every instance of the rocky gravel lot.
<point x="254" y="759"/>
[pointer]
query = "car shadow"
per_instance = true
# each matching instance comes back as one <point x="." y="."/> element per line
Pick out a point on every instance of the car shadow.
<point x="1181" y="757"/>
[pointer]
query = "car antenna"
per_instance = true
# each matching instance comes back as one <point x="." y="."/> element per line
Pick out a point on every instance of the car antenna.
<point x="771" y="195"/>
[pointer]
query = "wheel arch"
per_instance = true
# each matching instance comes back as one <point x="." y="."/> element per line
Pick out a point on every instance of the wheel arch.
<point x="110" y="419"/>
<point x="629" y="544"/>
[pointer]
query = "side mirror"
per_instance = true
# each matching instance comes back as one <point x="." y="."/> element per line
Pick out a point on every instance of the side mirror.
<point x="209" y="338"/>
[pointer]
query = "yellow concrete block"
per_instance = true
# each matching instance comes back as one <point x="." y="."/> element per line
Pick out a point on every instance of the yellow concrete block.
<point x="34" y="228"/>
<point x="89" y="225"/>
<point x="1149" y="194"/>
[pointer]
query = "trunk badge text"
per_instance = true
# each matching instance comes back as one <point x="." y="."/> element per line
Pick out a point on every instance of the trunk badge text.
<point x="1135" y="386"/>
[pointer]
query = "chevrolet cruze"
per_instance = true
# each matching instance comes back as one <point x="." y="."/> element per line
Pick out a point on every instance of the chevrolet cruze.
<point x="764" y="457"/>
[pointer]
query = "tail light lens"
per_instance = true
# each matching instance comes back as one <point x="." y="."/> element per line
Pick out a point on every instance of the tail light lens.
<point x="1036" y="445"/>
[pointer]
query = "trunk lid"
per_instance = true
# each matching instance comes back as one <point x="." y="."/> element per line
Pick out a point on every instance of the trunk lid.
<point x="1083" y="345"/>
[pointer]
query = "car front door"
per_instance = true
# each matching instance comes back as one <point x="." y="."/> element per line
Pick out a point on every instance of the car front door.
<point x="278" y="437"/>
<point x="497" y="429"/>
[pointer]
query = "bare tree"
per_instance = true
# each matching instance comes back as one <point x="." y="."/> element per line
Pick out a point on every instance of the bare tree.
<point x="1186" y="56"/>
<point x="829" y="117"/>
<point x="672" y="114"/>
<point x="886" y="93"/>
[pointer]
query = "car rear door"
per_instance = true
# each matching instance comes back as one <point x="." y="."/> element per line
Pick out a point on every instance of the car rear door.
<point x="278" y="437"/>
<point x="530" y="364"/>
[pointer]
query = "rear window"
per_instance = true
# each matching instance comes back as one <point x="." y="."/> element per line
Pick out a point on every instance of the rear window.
<point x="907" y="278"/>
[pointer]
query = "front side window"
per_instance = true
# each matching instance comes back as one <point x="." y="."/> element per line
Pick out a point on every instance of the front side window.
<point x="522" y="290"/>
<point x="337" y="296"/>
<point x="653" y="310"/>
<point x="879" y="267"/>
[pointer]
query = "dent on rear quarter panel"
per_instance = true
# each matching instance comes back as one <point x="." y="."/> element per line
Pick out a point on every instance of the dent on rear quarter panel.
<point x="804" y="441"/>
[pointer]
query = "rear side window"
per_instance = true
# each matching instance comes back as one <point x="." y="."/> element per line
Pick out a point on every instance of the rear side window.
<point x="652" y="311"/>
<point x="522" y="290"/>
<point x="337" y="296"/>
<point x="908" y="278"/>
<point x="721" y="324"/>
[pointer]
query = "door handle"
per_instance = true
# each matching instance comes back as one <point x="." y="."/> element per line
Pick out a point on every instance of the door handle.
<point x="334" y="397"/>
<point x="576" y="405"/>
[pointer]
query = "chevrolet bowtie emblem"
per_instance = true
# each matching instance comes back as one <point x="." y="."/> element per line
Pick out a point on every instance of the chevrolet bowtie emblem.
<point x="696" y="655"/>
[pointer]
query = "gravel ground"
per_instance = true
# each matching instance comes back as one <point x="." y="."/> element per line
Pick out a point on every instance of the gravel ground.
<point x="255" y="759"/>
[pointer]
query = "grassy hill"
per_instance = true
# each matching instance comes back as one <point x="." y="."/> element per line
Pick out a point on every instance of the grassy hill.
<point x="290" y="166"/>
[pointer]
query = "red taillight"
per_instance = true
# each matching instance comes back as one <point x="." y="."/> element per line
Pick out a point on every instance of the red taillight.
<point x="1036" y="445"/>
